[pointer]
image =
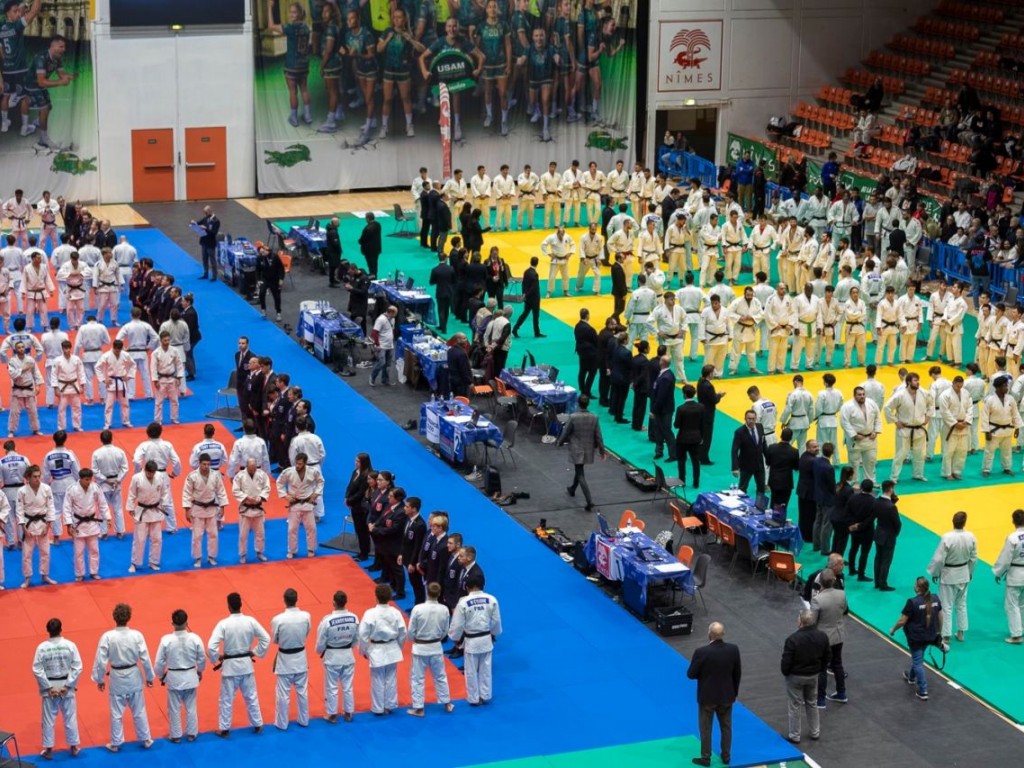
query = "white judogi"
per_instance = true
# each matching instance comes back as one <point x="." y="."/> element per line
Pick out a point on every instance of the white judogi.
<point x="909" y="308"/>
<point x="311" y="445"/>
<point x="456" y="189"/>
<point x="251" y="515"/>
<point x="51" y="342"/>
<point x="527" y="184"/>
<point x="953" y="563"/>
<point x="805" y="309"/>
<point x="618" y="184"/>
<point x="109" y="468"/>
<point x="591" y="249"/>
<point x="887" y="330"/>
<point x="767" y="417"/>
<point x="551" y="189"/>
<point x="297" y="491"/>
<point x="57" y="665"/>
<point x="336" y="638"/>
<point x="914" y="412"/>
<point x="827" y="406"/>
<point x="861" y="426"/>
<point x="86" y="511"/>
<point x="231" y="648"/>
<point x="36" y="288"/>
<point x="480" y="189"/>
<point x="204" y="500"/>
<point x="780" y="316"/>
<point x="25" y="384"/>
<point x="428" y="626"/>
<point x="125" y="256"/>
<point x="650" y="245"/>
<point x="74" y="279"/>
<point x="114" y="372"/>
<point x="8" y="521"/>
<point x="623" y="243"/>
<point x="977" y="387"/>
<point x="691" y="300"/>
<point x="572" y="191"/>
<point x="36" y="514"/>
<point x="67" y="379"/>
<point x="953" y="322"/>
<point x="60" y="471"/>
<point x="504" y="188"/>
<point x="558" y="250"/>
<point x="762" y="240"/>
<point x="139" y="338"/>
<point x="855" y="317"/>
<point x="998" y="420"/>
<point x="638" y="313"/>
<point x="593" y="183"/>
<point x="33" y="348"/>
<point x="107" y="281"/>
<point x="248" y="447"/>
<point x="676" y="247"/>
<point x="937" y="303"/>
<point x="180" y="660"/>
<point x="887" y="220"/>
<point x="289" y="630"/>
<point x="734" y="242"/>
<point x="147" y="500"/>
<point x="382" y="635"/>
<point x="936" y="430"/>
<point x="797" y="414"/>
<point x="745" y="316"/>
<point x="167" y="462"/>
<point x="1010" y="564"/>
<point x="477" y="619"/>
<point x="708" y="239"/>
<point x="168" y="372"/>
<point x="830" y="315"/>
<point x="214" y="449"/>
<point x="715" y="334"/>
<point x="670" y="327"/>
<point x="12" y="473"/>
<point x="124" y="649"/>
<point x="842" y="216"/>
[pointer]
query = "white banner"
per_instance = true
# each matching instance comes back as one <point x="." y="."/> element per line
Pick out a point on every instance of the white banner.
<point x="689" y="56"/>
<point x="433" y="426"/>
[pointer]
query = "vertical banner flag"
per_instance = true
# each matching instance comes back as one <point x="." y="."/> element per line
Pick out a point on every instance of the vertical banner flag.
<point x="48" y="139"/>
<point x="351" y="98"/>
<point x="446" y="130"/>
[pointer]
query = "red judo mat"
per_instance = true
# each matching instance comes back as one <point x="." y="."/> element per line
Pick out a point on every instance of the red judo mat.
<point x="85" y="610"/>
<point x="182" y="436"/>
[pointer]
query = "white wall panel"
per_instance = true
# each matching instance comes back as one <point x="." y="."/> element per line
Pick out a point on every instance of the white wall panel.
<point x="760" y="53"/>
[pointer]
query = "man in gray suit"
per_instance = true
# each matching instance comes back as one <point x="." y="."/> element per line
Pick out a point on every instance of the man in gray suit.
<point x="583" y="433"/>
<point x="830" y="609"/>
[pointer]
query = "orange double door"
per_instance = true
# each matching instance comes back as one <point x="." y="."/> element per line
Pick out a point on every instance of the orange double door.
<point x="159" y="164"/>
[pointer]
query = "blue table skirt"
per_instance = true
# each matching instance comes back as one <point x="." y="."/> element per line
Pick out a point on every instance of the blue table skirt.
<point x="451" y="436"/>
<point x="616" y="559"/>
<point x="750" y="526"/>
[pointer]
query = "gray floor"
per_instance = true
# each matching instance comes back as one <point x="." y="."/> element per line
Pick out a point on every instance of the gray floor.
<point x="884" y="724"/>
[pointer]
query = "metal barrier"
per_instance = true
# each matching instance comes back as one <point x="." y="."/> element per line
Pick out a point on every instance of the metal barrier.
<point x="675" y="162"/>
<point x="951" y="262"/>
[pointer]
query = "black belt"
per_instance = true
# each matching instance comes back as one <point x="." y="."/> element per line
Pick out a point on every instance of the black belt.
<point x="994" y="427"/>
<point x="90" y="518"/>
<point x="1017" y="565"/>
<point x="471" y="635"/>
<point x="855" y="322"/>
<point x="171" y="376"/>
<point x="253" y="506"/>
<point x="62" y="677"/>
<point x="22" y="386"/>
<point x="956" y="565"/>
<point x="124" y="666"/>
<point x="717" y="335"/>
<point x="181" y="669"/>
<point x="139" y="350"/>
<point x="340" y="647"/>
<point x="35" y="518"/>
<point x="107" y="285"/>
<point x="890" y="325"/>
<point x="291" y="650"/>
<point x="13" y="485"/>
<point x="430" y="641"/>
<point x="823" y="413"/>
<point x="914" y="428"/>
<point x="205" y="504"/>
<point x="828" y="325"/>
<point x="150" y="506"/>
<point x="242" y="655"/>
<point x="301" y="501"/>
<point x="384" y="642"/>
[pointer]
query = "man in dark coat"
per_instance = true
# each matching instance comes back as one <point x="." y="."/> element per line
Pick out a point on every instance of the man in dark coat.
<point x="332" y="251"/>
<point x="663" y="407"/>
<point x="443" y="278"/>
<point x="862" y="529"/>
<point x="370" y="244"/>
<point x="210" y="225"/>
<point x="887" y="529"/>
<point x="807" y="503"/>
<point x="429" y="198"/>
<point x="620" y="364"/>
<point x="587" y="352"/>
<point x="748" y="453"/>
<point x="689" y="424"/>
<point x="783" y="461"/>
<point x="583" y="433"/>
<point x="531" y="299"/>
<point x="412" y="542"/>
<point x="605" y="340"/>
<point x="716" y="668"/>
<point x="460" y="375"/>
<point x="619" y="287"/>
<point x="442" y="222"/>
<point x="191" y="318"/>
<point x="709" y="398"/>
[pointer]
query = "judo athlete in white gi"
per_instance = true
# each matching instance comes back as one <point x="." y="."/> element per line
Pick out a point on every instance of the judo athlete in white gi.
<point x="381" y="638"/>
<point x="798" y="413"/>
<point x="301" y="486"/>
<point x="251" y="488"/>
<point x="1010" y="564"/>
<point x="140" y="339"/>
<point x="73" y="279"/>
<point x="35" y="516"/>
<point x="168" y="372"/>
<point x="149" y="494"/>
<point x="477" y="621"/>
<point x="910" y="409"/>
<point x="826" y="407"/>
<point x="310" y="444"/>
<point x="213" y="448"/>
<point x="67" y="380"/>
<point x="7" y="522"/>
<point x="51" y="342"/>
<point x="204" y="499"/>
<point x="167" y="462"/>
<point x="89" y="343"/>
<point x="60" y="471"/>
<point x="124" y="649"/>
<point x="288" y="631"/>
<point x="861" y="420"/>
<point x="110" y="468"/>
<point x="114" y="370"/>
<point x="952" y="566"/>
<point x="36" y="288"/>
<point x="956" y="414"/>
<point x="85" y="513"/>
<point x="999" y="420"/>
<point x="25" y="383"/>
<point x="336" y="638"/>
<point x="12" y="473"/>
<point x="428" y="627"/>
<point x="248" y="446"/>
<point x="107" y="281"/>
<point x="57" y="665"/>
<point x="180" y="661"/>
<point x="231" y="651"/>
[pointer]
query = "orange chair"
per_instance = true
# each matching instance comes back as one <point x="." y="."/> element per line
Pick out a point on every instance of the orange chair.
<point x="685" y="555"/>
<point x="691" y="524"/>
<point x="462" y="399"/>
<point x="286" y="260"/>
<point x="784" y="567"/>
<point x="714" y="525"/>
<point x="728" y="538"/>
<point x="627" y="518"/>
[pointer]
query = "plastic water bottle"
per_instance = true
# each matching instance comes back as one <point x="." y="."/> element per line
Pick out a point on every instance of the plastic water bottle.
<point x="433" y="398"/>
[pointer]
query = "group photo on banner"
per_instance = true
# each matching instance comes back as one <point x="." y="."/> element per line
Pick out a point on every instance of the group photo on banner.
<point x="48" y="114"/>
<point x="348" y="92"/>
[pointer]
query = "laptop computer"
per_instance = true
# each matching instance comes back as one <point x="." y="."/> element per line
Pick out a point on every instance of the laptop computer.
<point x="761" y="503"/>
<point x="602" y="524"/>
<point x="777" y="517"/>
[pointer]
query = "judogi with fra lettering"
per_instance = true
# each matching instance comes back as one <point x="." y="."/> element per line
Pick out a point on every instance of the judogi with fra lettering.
<point x="336" y="638"/>
<point x="381" y="635"/>
<point x="57" y="665"/>
<point x="289" y="631"/>
<point x="477" y="620"/>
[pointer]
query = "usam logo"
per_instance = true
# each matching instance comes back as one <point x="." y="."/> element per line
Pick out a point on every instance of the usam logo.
<point x="689" y="42"/>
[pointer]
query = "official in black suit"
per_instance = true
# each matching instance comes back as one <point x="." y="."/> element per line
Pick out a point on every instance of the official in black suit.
<point x="887" y="528"/>
<point x="689" y="426"/>
<point x="641" y="384"/>
<point x="332" y="251"/>
<point x="748" y="453"/>
<point x="191" y="318"/>
<point x="450" y="571"/>
<point x="208" y="242"/>
<point x="605" y="340"/>
<point x="807" y="502"/>
<point x="434" y="550"/>
<point x="619" y="287"/>
<point x="443" y="278"/>
<point x="412" y="541"/>
<point x="429" y="198"/>
<point x="862" y="529"/>
<point x="370" y="244"/>
<point x="663" y="408"/>
<point x="242" y="358"/>
<point x="783" y="461"/>
<point x="441" y="224"/>
<point x="470" y="569"/>
<point x="107" y="238"/>
<point x="619" y="365"/>
<point x="387" y="540"/>
<point x="355" y="500"/>
<point x="531" y="299"/>
<point x="270" y="271"/>
<point x="460" y="374"/>
<point x="716" y="668"/>
<point x="709" y="398"/>
<point x="587" y="351"/>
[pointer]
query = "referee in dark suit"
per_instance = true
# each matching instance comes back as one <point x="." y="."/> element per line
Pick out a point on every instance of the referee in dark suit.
<point x="716" y="668"/>
<point x="208" y="242"/>
<point x="748" y="453"/>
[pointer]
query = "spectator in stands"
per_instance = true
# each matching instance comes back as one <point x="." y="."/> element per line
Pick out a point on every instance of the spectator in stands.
<point x="967" y="99"/>
<point x="948" y="118"/>
<point x="906" y="164"/>
<point x="864" y="131"/>
<point x="459" y="374"/>
<point x="979" y="261"/>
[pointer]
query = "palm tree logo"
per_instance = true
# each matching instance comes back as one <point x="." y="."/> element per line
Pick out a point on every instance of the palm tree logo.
<point x="690" y="41"/>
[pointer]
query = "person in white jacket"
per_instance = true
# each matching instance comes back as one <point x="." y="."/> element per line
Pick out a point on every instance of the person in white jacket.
<point x="120" y="654"/>
<point x="114" y="370"/>
<point x="149" y="494"/>
<point x="382" y="636"/>
<point x="289" y="631"/>
<point x="251" y="488"/>
<point x="168" y="372"/>
<point x="861" y="420"/>
<point x="999" y="420"/>
<point x="204" y="500"/>
<point x="180" y="661"/>
<point x="236" y="641"/>
<point x="85" y="514"/>
<point x="57" y="667"/>
<point x="301" y="486"/>
<point x="36" y="514"/>
<point x="67" y="379"/>
<point x="956" y="413"/>
<point x="337" y="638"/>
